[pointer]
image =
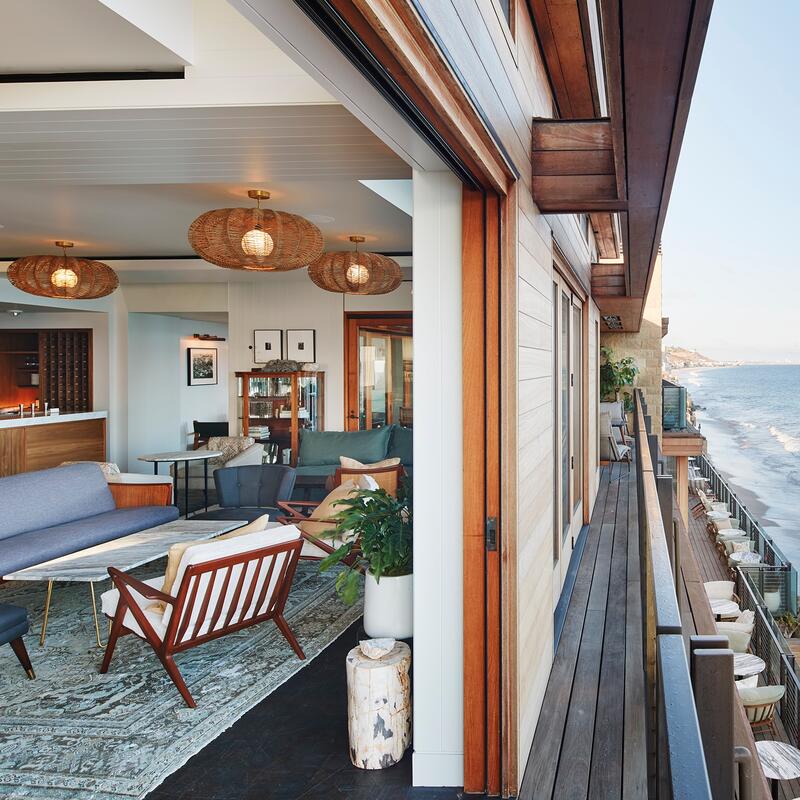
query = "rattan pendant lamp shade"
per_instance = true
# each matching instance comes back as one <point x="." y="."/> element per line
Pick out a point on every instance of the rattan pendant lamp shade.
<point x="353" y="272"/>
<point x="63" y="276"/>
<point x="255" y="238"/>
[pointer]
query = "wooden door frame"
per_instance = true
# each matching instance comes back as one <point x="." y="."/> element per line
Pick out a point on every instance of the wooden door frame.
<point x="485" y="676"/>
<point x="353" y="320"/>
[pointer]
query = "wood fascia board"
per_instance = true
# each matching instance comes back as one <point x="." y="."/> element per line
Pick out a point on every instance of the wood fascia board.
<point x="682" y="443"/>
<point x="698" y="29"/>
<point x="612" y="57"/>
<point x="406" y="36"/>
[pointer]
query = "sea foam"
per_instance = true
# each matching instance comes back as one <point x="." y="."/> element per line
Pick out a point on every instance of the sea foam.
<point x="791" y="444"/>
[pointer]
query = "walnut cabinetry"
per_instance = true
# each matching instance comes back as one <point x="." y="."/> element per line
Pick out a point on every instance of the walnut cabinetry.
<point x="40" y="445"/>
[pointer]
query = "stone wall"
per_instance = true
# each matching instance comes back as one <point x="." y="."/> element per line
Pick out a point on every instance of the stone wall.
<point x="645" y="348"/>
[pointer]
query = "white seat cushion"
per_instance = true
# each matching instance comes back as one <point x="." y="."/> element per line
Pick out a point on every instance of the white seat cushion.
<point x="761" y="695"/>
<point x="735" y="627"/>
<point x="719" y="590"/>
<point x="109" y="600"/>
<point x="738" y="641"/>
<point x="747" y="683"/>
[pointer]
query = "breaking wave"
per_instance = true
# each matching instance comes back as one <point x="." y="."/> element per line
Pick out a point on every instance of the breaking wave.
<point x="791" y="444"/>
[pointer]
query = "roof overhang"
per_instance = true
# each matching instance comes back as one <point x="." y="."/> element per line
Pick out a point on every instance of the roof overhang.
<point x="683" y="443"/>
<point x="651" y="55"/>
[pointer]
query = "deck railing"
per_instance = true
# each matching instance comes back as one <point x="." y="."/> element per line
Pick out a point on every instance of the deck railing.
<point x="677" y="757"/>
<point x="783" y="578"/>
<point x="769" y="644"/>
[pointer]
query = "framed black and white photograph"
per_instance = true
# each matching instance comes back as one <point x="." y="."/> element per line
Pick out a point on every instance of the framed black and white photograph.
<point x="267" y="346"/>
<point x="202" y="366"/>
<point x="301" y="346"/>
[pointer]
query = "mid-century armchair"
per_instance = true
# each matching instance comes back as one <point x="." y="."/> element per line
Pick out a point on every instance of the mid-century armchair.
<point x="220" y="587"/>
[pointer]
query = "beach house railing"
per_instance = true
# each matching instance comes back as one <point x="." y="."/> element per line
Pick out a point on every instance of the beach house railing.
<point x="675" y="745"/>
<point x="783" y="579"/>
<point x="769" y="644"/>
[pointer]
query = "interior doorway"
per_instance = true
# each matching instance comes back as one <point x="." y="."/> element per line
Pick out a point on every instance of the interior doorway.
<point x="379" y="370"/>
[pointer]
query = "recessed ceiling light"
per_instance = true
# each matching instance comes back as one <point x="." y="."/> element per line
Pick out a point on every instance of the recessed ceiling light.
<point x="15" y="312"/>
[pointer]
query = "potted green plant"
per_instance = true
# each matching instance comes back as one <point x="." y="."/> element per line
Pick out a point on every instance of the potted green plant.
<point x="615" y="375"/>
<point x="377" y="530"/>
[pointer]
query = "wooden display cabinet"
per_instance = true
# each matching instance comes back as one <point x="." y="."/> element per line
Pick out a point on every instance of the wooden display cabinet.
<point x="285" y="402"/>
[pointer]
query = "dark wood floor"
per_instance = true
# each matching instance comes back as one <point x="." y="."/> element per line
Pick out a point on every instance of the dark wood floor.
<point x="294" y="745"/>
<point x="590" y="738"/>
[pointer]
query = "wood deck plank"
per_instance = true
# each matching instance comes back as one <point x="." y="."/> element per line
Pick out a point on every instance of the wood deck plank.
<point x="540" y="772"/>
<point x="605" y="778"/>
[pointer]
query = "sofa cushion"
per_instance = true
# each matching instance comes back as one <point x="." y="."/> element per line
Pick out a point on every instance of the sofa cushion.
<point x="325" y="447"/>
<point x="243" y="513"/>
<point x="37" y="546"/>
<point x="351" y="463"/>
<point x="31" y="501"/>
<point x="401" y="445"/>
<point x="110" y="599"/>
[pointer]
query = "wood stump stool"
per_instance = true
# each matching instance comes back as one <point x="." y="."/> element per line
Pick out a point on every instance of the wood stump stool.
<point x="379" y="706"/>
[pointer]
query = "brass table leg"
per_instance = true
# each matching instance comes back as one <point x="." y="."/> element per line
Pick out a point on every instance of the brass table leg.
<point x="46" y="613"/>
<point x="94" y="614"/>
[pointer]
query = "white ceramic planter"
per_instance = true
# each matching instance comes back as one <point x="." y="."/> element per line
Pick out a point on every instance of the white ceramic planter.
<point x="389" y="607"/>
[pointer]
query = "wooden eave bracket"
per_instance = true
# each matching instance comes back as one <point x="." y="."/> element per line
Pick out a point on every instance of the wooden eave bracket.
<point x="575" y="167"/>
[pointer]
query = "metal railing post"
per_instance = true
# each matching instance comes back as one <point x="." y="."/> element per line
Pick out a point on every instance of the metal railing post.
<point x="676" y="546"/>
<point x="711" y="663"/>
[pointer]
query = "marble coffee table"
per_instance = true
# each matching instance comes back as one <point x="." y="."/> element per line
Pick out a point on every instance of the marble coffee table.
<point x="91" y="565"/>
<point x="745" y="664"/>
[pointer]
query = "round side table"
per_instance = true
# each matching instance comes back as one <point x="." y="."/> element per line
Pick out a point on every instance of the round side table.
<point x="186" y="456"/>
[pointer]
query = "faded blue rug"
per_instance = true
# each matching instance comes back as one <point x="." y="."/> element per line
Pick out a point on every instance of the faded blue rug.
<point x="73" y="733"/>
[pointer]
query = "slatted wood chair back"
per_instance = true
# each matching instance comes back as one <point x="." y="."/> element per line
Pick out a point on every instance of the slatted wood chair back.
<point x="228" y="594"/>
<point x="387" y="478"/>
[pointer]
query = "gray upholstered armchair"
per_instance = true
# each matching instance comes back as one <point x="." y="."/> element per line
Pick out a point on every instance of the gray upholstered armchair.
<point x="247" y="492"/>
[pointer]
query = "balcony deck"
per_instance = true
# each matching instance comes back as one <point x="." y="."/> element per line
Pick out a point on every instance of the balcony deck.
<point x="590" y="738"/>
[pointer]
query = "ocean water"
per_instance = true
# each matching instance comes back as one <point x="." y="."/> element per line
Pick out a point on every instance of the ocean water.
<point x="751" y="419"/>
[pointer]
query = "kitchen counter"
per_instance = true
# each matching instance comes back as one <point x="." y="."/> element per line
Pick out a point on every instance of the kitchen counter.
<point x="31" y="443"/>
<point x="20" y="422"/>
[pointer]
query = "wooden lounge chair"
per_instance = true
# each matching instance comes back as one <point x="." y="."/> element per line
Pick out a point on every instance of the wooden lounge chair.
<point x="220" y="587"/>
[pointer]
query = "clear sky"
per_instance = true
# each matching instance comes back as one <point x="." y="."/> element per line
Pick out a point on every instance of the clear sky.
<point x="731" y="263"/>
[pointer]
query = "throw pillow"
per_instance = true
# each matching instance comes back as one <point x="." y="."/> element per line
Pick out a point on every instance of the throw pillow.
<point x="107" y="467"/>
<point x="742" y="547"/>
<point x="229" y="446"/>
<point x="351" y="463"/>
<point x="179" y="548"/>
<point x="319" y="522"/>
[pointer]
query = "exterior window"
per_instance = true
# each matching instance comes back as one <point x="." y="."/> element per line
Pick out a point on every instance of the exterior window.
<point x="577" y="406"/>
<point x="505" y="7"/>
<point x="566" y="509"/>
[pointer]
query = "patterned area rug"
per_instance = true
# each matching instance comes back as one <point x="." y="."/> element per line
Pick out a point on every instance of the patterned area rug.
<point x="73" y="733"/>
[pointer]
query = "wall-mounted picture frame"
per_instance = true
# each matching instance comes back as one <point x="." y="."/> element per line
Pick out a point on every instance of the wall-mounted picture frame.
<point x="267" y="345"/>
<point x="202" y="366"/>
<point x="301" y="345"/>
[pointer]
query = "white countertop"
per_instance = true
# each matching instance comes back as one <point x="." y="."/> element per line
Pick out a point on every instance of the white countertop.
<point x="16" y="422"/>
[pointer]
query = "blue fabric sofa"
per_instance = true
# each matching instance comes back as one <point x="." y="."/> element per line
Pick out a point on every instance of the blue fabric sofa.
<point x="55" y="512"/>
<point x="320" y="451"/>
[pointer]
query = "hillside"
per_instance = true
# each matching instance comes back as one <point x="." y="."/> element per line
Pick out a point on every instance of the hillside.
<point x="678" y="357"/>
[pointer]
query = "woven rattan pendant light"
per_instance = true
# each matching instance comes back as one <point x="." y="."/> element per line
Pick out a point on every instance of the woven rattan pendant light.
<point x="255" y="238"/>
<point x="64" y="277"/>
<point x="353" y="272"/>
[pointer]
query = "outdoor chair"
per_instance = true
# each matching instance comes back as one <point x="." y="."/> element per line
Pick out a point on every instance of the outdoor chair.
<point x="610" y="449"/>
<point x="759" y="704"/>
<point x="220" y="587"/>
<point x="721" y="590"/>
<point x="315" y="519"/>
